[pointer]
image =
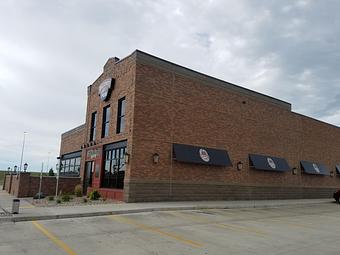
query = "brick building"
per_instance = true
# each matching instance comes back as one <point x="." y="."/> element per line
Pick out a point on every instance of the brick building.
<point x="156" y="131"/>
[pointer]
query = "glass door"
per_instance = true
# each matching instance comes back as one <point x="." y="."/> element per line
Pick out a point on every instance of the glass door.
<point x="88" y="175"/>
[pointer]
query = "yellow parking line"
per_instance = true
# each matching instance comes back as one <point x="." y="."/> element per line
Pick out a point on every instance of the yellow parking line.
<point x="157" y="230"/>
<point x="53" y="238"/>
<point x="242" y="229"/>
<point x="289" y="223"/>
<point x="190" y="217"/>
<point x="200" y="219"/>
<point x="27" y="206"/>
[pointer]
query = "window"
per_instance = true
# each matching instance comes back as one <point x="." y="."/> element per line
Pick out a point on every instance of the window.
<point x="121" y="116"/>
<point x="93" y="126"/>
<point x="70" y="164"/>
<point x="114" y="167"/>
<point x="106" y="121"/>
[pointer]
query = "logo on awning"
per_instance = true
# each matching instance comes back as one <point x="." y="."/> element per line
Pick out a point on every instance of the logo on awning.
<point x="271" y="163"/>
<point x="316" y="168"/>
<point x="204" y="155"/>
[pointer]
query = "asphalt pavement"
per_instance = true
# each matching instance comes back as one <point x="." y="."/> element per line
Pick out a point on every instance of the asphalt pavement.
<point x="309" y="229"/>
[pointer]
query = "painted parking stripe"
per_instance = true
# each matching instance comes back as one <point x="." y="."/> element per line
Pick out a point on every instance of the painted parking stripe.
<point x="27" y="206"/>
<point x="181" y="239"/>
<point x="53" y="238"/>
<point x="200" y="219"/>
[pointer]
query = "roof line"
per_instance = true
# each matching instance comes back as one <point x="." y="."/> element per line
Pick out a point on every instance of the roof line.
<point x="315" y="119"/>
<point x="226" y="84"/>
<point x="73" y="130"/>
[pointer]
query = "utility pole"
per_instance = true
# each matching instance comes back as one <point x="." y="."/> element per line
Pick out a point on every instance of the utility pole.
<point x="41" y="172"/>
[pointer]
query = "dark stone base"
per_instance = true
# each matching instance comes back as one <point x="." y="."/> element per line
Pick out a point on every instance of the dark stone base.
<point x="147" y="192"/>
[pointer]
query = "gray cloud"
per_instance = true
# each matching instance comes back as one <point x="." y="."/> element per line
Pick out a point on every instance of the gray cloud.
<point x="50" y="52"/>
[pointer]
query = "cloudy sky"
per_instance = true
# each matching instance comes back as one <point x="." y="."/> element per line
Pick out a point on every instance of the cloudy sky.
<point x="50" y="51"/>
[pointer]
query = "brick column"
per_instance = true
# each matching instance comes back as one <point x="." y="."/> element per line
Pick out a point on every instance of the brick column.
<point x="24" y="184"/>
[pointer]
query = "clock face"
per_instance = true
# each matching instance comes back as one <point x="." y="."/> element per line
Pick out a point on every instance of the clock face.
<point x="104" y="89"/>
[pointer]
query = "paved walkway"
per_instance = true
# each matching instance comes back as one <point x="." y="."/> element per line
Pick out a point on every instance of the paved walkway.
<point x="6" y="203"/>
<point x="29" y="212"/>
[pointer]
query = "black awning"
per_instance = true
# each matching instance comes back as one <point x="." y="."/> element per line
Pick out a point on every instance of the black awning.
<point x="115" y="145"/>
<point x="338" y="169"/>
<point x="314" y="168"/>
<point x="201" y="155"/>
<point x="269" y="163"/>
<point x="71" y="155"/>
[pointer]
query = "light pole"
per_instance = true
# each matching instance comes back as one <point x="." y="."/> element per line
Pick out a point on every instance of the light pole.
<point x="22" y="152"/>
<point x="58" y="167"/>
<point x="48" y="161"/>
<point x="40" y="180"/>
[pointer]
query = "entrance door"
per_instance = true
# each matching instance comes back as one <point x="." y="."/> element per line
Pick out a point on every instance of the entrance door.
<point x="88" y="175"/>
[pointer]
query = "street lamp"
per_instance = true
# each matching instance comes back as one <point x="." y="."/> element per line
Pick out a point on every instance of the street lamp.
<point x="239" y="166"/>
<point x="126" y="158"/>
<point x="155" y="158"/>
<point x="22" y="151"/>
<point x="25" y="167"/>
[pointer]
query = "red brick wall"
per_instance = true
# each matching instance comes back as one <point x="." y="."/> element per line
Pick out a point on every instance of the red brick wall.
<point x="175" y="108"/>
<point x="72" y="140"/>
<point x="167" y="104"/>
<point x="28" y="186"/>
<point x="7" y="182"/>
<point x="124" y="74"/>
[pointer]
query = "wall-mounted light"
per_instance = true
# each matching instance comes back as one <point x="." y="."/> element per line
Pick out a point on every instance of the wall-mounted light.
<point x="25" y="167"/>
<point x="155" y="158"/>
<point x="126" y="158"/>
<point x="294" y="170"/>
<point x="239" y="166"/>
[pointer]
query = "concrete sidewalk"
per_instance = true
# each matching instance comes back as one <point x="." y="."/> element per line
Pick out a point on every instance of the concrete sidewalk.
<point x="28" y="212"/>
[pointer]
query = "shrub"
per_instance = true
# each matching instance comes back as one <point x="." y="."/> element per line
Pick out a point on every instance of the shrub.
<point x="94" y="195"/>
<point x="66" y="197"/>
<point x="50" y="198"/>
<point x="78" y="190"/>
<point x="85" y="200"/>
<point x="58" y="201"/>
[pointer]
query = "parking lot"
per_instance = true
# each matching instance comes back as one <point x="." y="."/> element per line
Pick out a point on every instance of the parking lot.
<point x="309" y="229"/>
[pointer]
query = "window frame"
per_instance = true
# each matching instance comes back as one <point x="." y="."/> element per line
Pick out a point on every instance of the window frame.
<point x="93" y="126"/>
<point x="106" y="121"/>
<point x="121" y="115"/>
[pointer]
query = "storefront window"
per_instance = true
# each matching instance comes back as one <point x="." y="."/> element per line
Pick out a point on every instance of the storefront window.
<point x="114" y="168"/>
<point x="70" y="166"/>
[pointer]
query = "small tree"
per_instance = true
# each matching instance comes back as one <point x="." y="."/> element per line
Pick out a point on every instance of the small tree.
<point x="51" y="173"/>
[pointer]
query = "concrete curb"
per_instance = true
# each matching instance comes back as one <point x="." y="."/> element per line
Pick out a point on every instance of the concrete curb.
<point x="130" y="211"/>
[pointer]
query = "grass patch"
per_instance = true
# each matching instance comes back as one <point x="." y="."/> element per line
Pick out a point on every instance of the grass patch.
<point x="2" y="176"/>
